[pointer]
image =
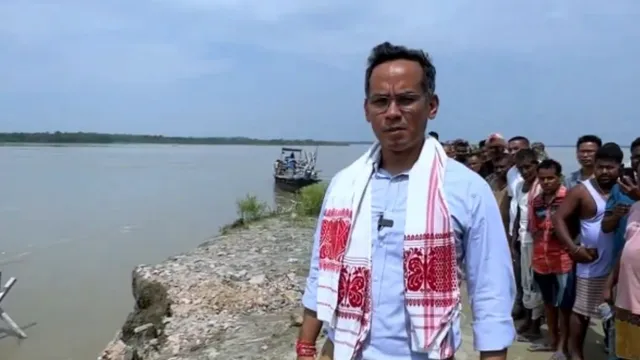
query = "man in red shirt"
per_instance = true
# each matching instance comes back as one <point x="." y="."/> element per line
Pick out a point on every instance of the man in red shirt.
<point x="552" y="264"/>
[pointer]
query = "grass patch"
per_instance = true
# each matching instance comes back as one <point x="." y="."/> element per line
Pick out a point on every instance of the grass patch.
<point x="309" y="199"/>
<point x="305" y="210"/>
<point x="251" y="209"/>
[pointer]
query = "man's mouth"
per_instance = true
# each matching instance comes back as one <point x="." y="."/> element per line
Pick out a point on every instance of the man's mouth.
<point x="395" y="130"/>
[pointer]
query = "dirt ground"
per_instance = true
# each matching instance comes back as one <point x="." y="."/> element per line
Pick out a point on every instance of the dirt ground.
<point x="593" y="345"/>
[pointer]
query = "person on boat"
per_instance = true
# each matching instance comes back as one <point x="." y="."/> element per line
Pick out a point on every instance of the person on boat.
<point x="291" y="161"/>
<point x="594" y="255"/>
<point x="380" y="289"/>
<point x="552" y="265"/>
<point x="474" y="161"/>
<point x="514" y="178"/>
<point x="586" y="148"/>
<point x="615" y="221"/>
<point x="526" y="162"/>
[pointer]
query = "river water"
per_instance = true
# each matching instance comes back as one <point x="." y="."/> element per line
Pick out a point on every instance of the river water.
<point x="75" y="220"/>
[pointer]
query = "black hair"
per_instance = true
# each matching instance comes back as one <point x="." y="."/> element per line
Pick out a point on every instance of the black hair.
<point x="551" y="164"/>
<point x="519" y="138"/>
<point x="386" y="52"/>
<point x="635" y="143"/>
<point x="434" y="135"/>
<point x="610" y="151"/>
<point x="476" y="153"/>
<point x="589" y="139"/>
<point x="526" y="154"/>
<point x="482" y="143"/>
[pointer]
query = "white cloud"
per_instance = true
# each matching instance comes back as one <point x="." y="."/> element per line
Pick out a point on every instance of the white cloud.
<point x="77" y="43"/>
<point x="452" y="26"/>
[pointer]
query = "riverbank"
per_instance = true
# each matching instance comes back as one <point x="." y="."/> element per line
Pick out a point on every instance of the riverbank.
<point x="238" y="297"/>
<point x="234" y="297"/>
<point x="81" y="138"/>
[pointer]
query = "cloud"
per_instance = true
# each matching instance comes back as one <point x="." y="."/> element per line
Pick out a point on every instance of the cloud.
<point x="335" y="29"/>
<point x="84" y="42"/>
<point x="205" y="59"/>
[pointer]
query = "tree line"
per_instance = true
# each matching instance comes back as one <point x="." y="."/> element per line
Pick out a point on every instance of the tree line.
<point x="100" y="138"/>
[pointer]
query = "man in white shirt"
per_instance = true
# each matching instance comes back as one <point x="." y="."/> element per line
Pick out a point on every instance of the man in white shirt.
<point x="514" y="179"/>
<point x="526" y="161"/>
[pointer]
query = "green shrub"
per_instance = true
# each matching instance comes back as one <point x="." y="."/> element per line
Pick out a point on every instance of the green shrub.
<point x="309" y="199"/>
<point x="251" y="209"/>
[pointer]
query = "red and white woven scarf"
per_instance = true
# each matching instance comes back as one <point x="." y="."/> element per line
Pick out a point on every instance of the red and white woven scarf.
<point x="432" y="296"/>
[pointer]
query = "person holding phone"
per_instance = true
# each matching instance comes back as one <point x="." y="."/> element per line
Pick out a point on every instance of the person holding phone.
<point x="624" y="281"/>
<point x="623" y="291"/>
<point x="615" y="221"/>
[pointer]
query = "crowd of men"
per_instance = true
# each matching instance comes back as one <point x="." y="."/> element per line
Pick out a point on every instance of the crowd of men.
<point x="404" y="222"/>
<point x="566" y="234"/>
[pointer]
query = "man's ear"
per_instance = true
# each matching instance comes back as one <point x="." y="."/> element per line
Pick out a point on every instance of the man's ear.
<point x="434" y="104"/>
<point x="366" y="110"/>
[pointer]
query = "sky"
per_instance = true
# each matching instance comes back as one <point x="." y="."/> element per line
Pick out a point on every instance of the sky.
<point x="551" y="70"/>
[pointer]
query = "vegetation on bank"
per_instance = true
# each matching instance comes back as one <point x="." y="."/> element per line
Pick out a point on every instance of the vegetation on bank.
<point x="309" y="200"/>
<point x="99" y="138"/>
<point x="306" y="205"/>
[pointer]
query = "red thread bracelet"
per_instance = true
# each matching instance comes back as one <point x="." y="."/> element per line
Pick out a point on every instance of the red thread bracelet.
<point x="305" y="348"/>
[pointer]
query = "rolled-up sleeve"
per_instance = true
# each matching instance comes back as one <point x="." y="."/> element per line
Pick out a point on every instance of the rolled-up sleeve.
<point x="490" y="280"/>
<point x="612" y="201"/>
<point x="310" y="296"/>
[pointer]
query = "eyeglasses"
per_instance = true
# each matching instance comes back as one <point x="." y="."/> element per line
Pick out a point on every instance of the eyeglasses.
<point x="405" y="102"/>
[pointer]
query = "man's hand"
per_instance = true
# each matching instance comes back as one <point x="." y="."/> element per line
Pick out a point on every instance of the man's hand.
<point x="620" y="210"/>
<point x="630" y="187"/>
<point x="581" y="255"/>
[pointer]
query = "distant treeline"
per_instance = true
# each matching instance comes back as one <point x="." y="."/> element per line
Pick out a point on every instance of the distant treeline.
<point x="98" y="138"/>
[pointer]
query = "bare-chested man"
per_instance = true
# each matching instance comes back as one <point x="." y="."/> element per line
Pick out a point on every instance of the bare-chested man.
<point x="587" y="202"/>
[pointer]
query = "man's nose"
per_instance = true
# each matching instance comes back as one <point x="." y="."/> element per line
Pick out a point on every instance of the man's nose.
<point x="393" y="112"/>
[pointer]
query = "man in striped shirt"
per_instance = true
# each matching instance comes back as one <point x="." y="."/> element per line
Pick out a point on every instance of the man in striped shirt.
<point x="552" y="264"/>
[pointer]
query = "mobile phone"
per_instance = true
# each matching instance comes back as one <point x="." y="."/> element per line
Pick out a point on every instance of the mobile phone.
<point x="628" y="172"/>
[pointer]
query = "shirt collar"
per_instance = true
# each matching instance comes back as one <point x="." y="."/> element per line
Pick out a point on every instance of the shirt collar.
<point x="380" y="173"/>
